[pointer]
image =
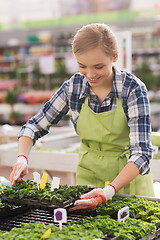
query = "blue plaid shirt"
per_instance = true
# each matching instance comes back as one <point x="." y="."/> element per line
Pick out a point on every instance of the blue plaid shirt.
<point x="70" y="97"/>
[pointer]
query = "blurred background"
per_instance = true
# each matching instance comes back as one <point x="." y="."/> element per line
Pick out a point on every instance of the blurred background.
<point x="36" y="58"/>
<point x="35" y="48"/>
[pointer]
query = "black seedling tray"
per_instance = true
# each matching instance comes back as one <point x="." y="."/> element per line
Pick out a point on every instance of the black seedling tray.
<point x="12" y="211"/>
<point x="32" y="203"/>
<point x="30" y="210"/>
<point x="42" y="216"/>
<point x="35" y="215"/>
<point x="46" y="217"/>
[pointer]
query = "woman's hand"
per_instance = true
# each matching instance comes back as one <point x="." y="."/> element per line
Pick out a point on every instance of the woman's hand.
<point x="94" y="198"/>
<point x="20" y="169"/>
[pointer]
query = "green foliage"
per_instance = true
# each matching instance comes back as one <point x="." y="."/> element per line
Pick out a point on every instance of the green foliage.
<point x="12" y="95"/>
<point x="36" y="230"/>
<point x="55" y="79"/>
<point x="145" y="210"/>
<point x="144" y="215"/>
<point x="145" y="74"/>
<point x="5" y="207"/>
<point x="76" y="150"/>
<point x="11" y="98"/>
<point x="88" y="228"/>
<point x="29" y="190"/>
<point x="155" y="140"/>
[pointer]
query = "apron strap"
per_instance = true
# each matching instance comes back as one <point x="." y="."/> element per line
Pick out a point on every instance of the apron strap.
<point x="86" y="100"/>
<point x="119" y="102"/>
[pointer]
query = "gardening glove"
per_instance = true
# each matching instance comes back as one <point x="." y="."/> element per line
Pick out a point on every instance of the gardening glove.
<point x="20" y="169"/>
<point x="95" y="198"/>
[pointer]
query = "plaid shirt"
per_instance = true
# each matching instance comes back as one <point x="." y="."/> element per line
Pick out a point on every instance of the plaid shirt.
<point x="70" y="97"/>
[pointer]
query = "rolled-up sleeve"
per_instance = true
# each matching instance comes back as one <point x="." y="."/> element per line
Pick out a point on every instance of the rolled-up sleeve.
<point x="51" y="113"/>
<point x="140" y="128"/>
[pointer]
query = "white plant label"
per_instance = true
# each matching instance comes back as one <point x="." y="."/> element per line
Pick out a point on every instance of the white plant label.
<point x="123" y="213"/>
<point x="60" y="216"/>
<point x="37" y="178"/>
<point x="55" y="183"/>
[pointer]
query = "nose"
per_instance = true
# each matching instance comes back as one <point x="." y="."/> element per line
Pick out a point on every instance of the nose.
<point x="90" y="74"/>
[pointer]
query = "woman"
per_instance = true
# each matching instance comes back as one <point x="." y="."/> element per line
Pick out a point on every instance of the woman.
<point x="110" y="111"/>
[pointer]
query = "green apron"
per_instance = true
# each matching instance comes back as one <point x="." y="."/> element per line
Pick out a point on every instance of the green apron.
<point x="104" y="150"/>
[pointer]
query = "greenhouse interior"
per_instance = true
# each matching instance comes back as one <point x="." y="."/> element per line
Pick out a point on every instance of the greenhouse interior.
<point x="80" y="119"/>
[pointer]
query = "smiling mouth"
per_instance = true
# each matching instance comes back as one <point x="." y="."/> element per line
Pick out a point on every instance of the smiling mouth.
<point x="93" y="80"/>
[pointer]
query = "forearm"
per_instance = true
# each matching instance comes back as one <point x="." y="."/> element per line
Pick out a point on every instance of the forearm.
<point x="128" y="173"/>
<point x="24" y="146"/>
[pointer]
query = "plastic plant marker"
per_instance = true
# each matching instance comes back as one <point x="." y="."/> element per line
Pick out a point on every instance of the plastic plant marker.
<point x="55" y="183"/>
<point x="123" y="213"/>
<point x="43" y="180"/>
<point x="60" y="216"/>
<point x="37" y="178"/>
<point x="106" y="183"/>
<point x="47" y="233"/>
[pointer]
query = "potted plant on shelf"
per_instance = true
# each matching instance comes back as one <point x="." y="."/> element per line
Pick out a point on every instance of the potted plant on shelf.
<point x="11" y="98"/>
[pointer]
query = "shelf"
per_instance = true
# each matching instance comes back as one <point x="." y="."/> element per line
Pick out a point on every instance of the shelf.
<point x="144" y="51"/>
<point x="153" y="67"/>
<point x="145" y="45"/>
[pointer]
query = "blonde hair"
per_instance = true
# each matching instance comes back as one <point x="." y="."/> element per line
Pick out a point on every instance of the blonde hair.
<point x="95" y="35"/>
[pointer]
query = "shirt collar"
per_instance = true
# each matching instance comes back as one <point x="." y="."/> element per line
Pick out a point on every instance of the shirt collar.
<point x="117" y="86"/>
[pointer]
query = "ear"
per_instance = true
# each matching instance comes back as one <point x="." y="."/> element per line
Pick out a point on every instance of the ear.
<point x="115" y="58"/>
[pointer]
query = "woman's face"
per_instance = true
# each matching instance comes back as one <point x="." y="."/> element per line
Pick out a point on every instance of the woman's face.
<point x="96" y="66"/>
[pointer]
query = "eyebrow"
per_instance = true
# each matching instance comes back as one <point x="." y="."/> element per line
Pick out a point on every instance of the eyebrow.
<point x="94" y="65"/>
